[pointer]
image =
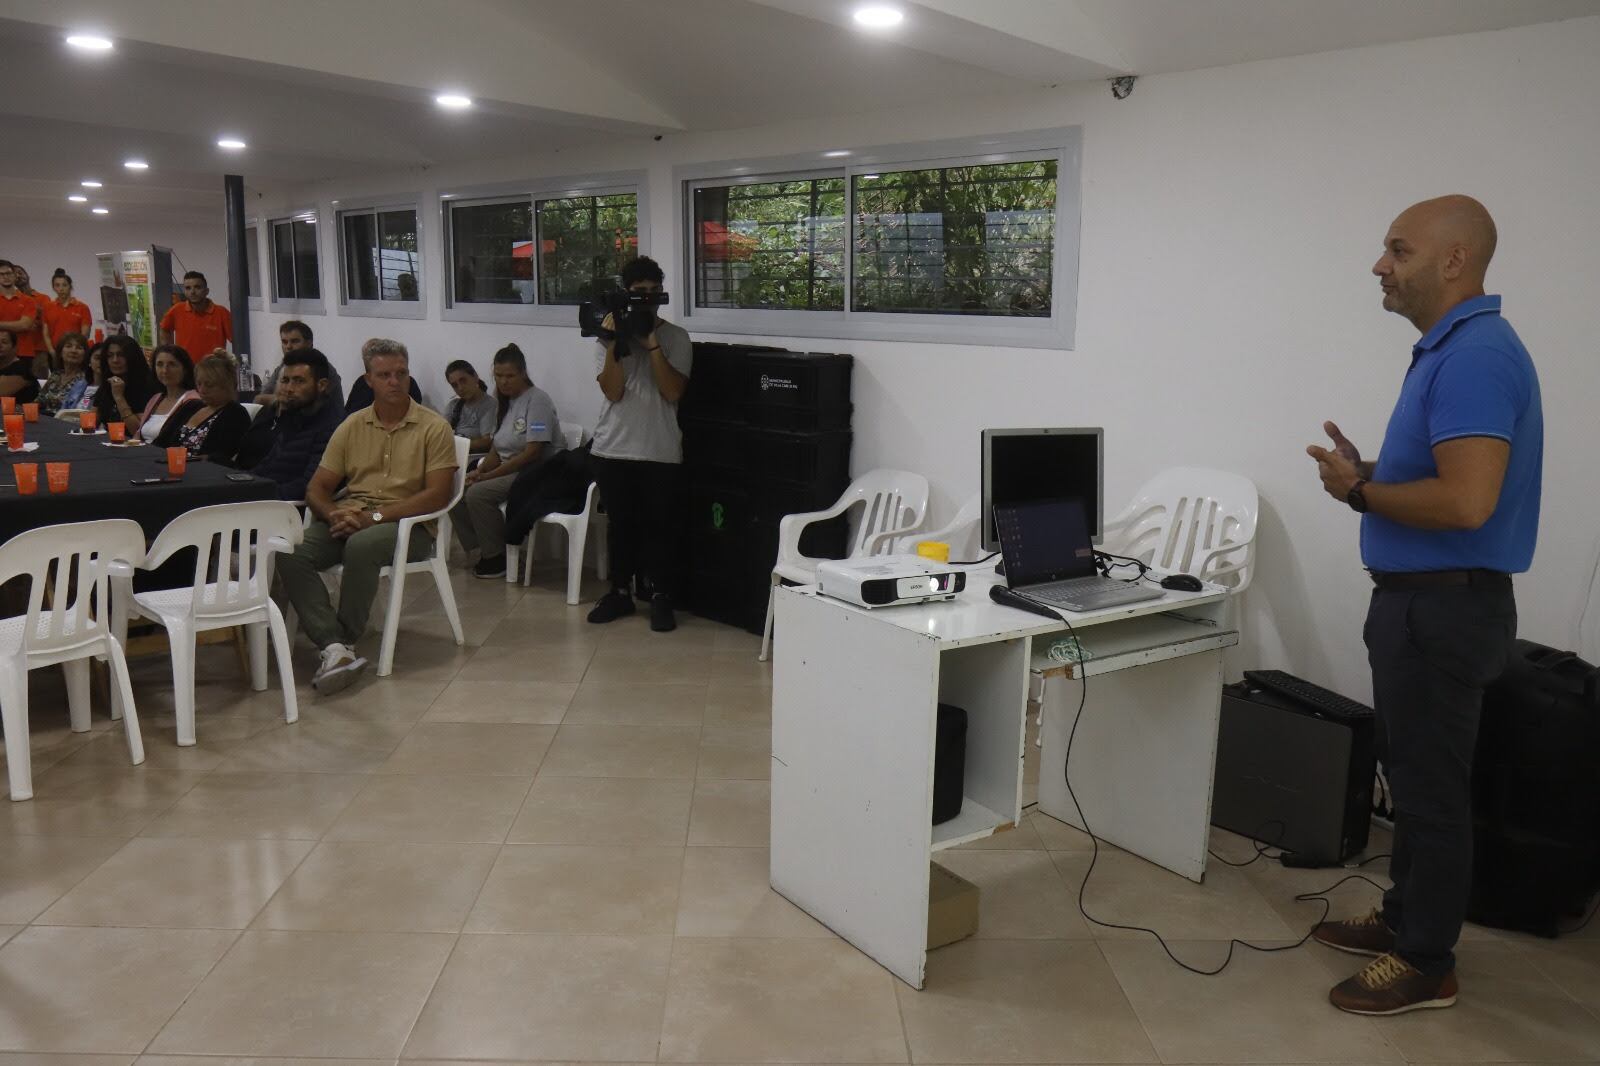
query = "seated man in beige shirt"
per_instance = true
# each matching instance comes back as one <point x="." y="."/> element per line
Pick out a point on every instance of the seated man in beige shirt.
<point x="396" y="459"/>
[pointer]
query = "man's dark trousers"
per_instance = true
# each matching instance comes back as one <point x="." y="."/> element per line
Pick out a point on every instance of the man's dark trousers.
<point x="1433" y="649"/>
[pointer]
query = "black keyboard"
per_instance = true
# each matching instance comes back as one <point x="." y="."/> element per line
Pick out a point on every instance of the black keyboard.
<point x="1307" y="694"/>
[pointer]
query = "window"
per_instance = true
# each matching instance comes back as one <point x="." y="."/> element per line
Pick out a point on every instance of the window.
<point x="771" y="244"/>
<point x="583" y="239"/>
<point x="531" y="254"/>
<point x="379" y="255"/>
<point x="971" y="241"/>
<point x="252" y="262"/>
<point x="295" y="275"/>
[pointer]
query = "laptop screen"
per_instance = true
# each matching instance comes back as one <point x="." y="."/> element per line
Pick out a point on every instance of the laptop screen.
<point x="1045" y="540"/>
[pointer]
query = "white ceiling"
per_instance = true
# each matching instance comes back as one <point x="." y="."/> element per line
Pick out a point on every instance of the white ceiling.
<point x="324" y="89"/>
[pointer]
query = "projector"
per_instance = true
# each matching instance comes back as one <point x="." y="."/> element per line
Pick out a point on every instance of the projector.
<point x="883" y="580"/>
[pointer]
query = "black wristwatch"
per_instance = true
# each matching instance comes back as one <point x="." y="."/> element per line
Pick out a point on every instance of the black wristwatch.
<point x="1356" y="498"/>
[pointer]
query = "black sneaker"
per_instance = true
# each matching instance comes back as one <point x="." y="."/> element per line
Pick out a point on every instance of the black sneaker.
<point x="490" y="566"/>
<point x="612" y="606"/>
<point x="661" y="617"/>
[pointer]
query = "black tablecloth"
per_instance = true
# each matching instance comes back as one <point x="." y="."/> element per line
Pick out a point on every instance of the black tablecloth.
<point x="101" y="484"/>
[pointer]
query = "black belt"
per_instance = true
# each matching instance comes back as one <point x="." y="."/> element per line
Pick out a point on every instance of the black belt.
<point x="1432" y="579"/>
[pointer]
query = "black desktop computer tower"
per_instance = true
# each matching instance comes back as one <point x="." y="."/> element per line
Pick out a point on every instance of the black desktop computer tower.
<point x="1293" y="776"/>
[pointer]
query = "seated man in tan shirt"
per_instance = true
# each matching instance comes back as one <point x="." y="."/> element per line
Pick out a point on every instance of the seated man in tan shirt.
<point x="396" y="459"/>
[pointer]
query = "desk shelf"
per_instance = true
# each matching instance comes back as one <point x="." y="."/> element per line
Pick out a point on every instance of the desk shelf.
<point x="973" y="823"/>
<point x="1135" y="642"/>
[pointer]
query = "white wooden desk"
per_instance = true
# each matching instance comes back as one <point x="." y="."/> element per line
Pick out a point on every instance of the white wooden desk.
<point x="855" y="695"/>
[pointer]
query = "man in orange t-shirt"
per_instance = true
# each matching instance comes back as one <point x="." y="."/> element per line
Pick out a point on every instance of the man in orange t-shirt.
<point x="19" y="311"/>
<point x="197" y="325"/>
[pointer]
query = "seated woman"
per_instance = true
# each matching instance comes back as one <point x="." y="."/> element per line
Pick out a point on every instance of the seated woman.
<point x="16" y="374"/>
<point x="213" y="424"/>
<point x="69" y="375"/>
<point x="473" y="413"/>
<point x="125" y="384"/>
<point x="529" y="432"/>
<point x="174" y="370"/>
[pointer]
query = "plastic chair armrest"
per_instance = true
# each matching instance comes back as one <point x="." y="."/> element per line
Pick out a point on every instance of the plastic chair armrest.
<point x="119" y="568"/>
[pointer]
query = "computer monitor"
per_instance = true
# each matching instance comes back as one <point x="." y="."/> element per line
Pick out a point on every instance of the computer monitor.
<point x="1023" y="465"/>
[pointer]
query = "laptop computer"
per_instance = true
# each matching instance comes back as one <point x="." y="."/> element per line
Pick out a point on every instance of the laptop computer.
<point x="1049" y="558"/>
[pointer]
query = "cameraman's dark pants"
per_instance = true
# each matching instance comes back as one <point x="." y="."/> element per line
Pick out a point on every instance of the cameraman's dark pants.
<point x="643" y="506"/>
<point x="1433" y="648"/>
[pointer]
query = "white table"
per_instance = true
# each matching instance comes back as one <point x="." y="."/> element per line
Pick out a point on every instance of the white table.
<point x="855" y="694"/>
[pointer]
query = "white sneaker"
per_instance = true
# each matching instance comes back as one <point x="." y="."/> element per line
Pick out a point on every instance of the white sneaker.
<point x="340" y="666"/>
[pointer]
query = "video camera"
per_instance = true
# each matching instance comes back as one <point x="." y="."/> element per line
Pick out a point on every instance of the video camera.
<point x="632" y="313"/>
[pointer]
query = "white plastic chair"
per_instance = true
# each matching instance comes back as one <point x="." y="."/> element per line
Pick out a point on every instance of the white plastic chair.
<point x="434" y="564"/>
<point x="251" y="409"/>
<point x="70" y="414"/>
<point x="577" y="528"/>
<point x="1191" y="520"/>
<point x="79" y="625"/>
<point x="962" y="534"/>
<point x="893" y="502"/>
<point x="234" y="546"/>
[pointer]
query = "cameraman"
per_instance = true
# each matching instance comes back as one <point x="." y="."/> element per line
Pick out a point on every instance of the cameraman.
<point x="638" y="450"/>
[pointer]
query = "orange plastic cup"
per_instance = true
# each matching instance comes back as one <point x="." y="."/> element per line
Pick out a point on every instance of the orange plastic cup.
<point x="177" y="461"/>
<point x="8" y="405"/>
<point x="27" y="478"/>
<point x="30" y="411"/>
<point x="13" y="425"/>
<point x="118" y="431"/>
<point x="88" y="421"/>
<point x="59" y="474"/>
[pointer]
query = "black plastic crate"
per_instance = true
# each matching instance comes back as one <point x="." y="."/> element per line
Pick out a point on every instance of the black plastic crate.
<point x="716" y="382"/>
<point x="714" y="451"/>
<point x="821" y="459"/>
<point x="800" y="391"/>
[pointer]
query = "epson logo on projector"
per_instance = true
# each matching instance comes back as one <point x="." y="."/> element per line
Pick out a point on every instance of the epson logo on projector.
<point x="770" y="382"/>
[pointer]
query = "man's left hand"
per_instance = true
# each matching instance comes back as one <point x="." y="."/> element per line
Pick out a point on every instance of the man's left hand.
<point x="1339" y="474"/>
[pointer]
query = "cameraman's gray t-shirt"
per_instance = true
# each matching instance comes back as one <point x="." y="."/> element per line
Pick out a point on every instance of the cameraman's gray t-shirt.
<point x="643" y="425"/>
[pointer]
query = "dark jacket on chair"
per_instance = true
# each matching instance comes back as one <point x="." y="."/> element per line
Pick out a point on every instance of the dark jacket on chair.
<point x="555" y="486"/>
<point x="286" y="448"/>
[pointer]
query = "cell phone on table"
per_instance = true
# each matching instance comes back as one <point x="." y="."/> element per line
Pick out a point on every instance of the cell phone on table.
<point x="152" y="480"/>
<point x="241" y="477"/>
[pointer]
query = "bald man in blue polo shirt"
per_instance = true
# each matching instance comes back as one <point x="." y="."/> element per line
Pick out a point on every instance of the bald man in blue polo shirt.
<point x="1449" y="512"/>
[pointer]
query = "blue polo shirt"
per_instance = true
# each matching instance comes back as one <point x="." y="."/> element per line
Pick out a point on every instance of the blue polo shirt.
<point x="1470" y="376"/>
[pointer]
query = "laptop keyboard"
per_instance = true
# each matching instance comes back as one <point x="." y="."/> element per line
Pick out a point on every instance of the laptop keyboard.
<point x="1092" y="593"/>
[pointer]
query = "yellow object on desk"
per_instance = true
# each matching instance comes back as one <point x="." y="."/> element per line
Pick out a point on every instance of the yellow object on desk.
<point x="937" y="550"/>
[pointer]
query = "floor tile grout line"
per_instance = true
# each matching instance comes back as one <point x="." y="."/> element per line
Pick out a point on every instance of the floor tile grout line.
<point x="238" y="935"/>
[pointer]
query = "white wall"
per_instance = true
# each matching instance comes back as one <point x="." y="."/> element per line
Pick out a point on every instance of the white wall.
<point x="1225" y="306"/>
<point x="42" y="244"/>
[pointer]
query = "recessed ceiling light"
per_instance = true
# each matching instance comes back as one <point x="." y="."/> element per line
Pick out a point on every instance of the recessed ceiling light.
<point x="90" y="184"/>
<point x="78" y="198"/>
<point x="836" y="154"/>
<point x="101" y="210"/>
<point x="879" y="16"/>
<point x="90" y="42"/>
<point x="233" y="144"/>
<point x="453" y="101"/>
<point x="136" y="164"/>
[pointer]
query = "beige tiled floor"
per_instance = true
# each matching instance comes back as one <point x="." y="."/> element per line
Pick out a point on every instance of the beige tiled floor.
<point x="551" y="845"/>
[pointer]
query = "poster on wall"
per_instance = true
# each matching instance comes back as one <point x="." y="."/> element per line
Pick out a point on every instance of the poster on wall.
<point x="137" y="272"/>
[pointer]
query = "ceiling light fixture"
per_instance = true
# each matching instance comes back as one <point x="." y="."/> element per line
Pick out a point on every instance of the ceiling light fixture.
<point x="232" y="144"/>
<point x="90" y="42"/>
<point x="101" y="210"/>
<point x="136" y="164"/>
<point x="78" y="198"/>
<point x="453" y="101"/>
<point x="879" y="16"/>
<point x="836" y="154"/>
<point x="90" y="183"/>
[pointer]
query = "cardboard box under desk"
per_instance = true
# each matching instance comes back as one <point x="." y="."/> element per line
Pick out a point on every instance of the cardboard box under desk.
<point x="952" y="907"/>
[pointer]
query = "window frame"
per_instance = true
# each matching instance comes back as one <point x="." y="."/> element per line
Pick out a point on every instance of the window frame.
<point x="1057" y="331"/>
<point x="531" y="192"/>
<point x="256" y="226"/>
<point x="413" y="309"/>
<point x="296" y="306"/>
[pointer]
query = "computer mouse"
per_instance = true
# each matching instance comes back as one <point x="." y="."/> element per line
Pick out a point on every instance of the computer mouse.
<point x="1181" y="583"/>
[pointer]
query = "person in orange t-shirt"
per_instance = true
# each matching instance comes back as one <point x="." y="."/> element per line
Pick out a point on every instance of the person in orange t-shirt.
<point x="65" y="314"/>
<point x="198" y="324"/>
<point x="19" y="311"/>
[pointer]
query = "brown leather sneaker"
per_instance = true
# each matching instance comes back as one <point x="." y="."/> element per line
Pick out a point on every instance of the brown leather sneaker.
<point x="1366" y="935"/>
<point x="1391" y="985"/>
